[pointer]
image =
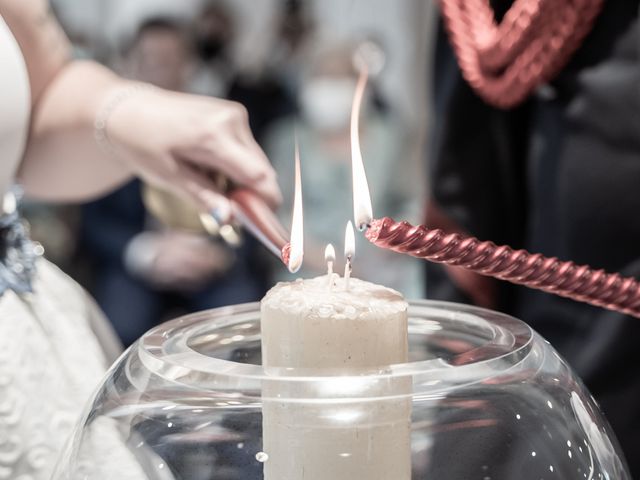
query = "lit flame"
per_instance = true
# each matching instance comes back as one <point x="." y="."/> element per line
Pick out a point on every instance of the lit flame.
<point x="349" y="241"/>
<point x="297" y="221"/>
<point x="330" y="254"/>
<point x="330" y="258"/>
<point x="362" y="211"/>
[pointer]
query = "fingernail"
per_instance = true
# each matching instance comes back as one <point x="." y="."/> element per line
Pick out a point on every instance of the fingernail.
<point x="221" y="213"/>
<point x="218" y="215"/>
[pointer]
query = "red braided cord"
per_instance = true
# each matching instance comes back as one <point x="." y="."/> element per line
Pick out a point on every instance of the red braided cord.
<point x="578" y="282"/>
<point x="536" y="38"/>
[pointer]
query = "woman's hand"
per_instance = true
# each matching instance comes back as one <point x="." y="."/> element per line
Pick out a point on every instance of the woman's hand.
<point x="179" y="142"/>
<point x="173" y="139"/>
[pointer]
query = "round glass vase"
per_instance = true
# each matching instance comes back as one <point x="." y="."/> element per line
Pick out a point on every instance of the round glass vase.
<point x="483" y="397"/>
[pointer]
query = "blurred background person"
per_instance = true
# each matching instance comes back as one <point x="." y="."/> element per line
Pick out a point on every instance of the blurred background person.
<point x="142" y="272"/>
<point x="214" y="30"/>
<point x="295" y="33"/>
<point x="267" y="89"/>
<point x="323" y="133"/>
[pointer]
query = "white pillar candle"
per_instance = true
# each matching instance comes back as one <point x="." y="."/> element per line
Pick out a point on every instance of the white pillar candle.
<point x="308" y="327"/>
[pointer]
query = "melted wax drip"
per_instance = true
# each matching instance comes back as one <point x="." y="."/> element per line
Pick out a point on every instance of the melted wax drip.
<point x="578" y="282"/>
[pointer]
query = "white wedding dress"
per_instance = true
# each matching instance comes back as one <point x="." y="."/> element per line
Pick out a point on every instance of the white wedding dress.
<point x="51" y="358"/>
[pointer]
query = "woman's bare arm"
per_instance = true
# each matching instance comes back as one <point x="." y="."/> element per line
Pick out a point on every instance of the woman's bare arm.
<point x="62" y="161"/>
<point x="173" y="140"/>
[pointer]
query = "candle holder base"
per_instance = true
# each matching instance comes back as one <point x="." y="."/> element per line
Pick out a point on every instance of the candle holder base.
<point x="483" y="396"/>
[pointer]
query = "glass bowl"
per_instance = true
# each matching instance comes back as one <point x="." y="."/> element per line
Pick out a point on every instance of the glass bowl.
<point x="483" y="397"/>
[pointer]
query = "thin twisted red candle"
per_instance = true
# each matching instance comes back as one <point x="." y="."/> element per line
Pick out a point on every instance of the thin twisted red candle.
<point x="578" y="282"/>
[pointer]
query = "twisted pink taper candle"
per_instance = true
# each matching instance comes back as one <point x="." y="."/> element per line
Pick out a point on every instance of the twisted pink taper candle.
<point x="578" y="282"/>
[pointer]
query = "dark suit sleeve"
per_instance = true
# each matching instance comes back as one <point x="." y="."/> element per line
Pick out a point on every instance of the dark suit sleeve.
<point x="110" y="223"/>
<point x="476" y="163"/>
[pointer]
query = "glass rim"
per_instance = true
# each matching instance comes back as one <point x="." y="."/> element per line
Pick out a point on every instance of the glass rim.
<point x="508" y="343"/>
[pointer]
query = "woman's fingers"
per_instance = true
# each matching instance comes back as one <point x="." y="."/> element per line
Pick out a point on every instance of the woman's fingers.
<point x="269" y="182"/>
<point x="184" y="134"/>
<point x="203" y="191"/>
<point x="243" y="165"/>
<point x="222" y="142"/>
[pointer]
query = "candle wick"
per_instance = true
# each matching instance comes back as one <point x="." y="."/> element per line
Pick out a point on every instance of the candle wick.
<point x="330" y="274"/>
<point x="347" y="272"/>
<point x="332" y="281"/>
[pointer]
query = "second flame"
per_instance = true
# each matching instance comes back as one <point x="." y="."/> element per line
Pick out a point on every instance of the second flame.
<point x="362" y="210"/>
<point x="297" y="222"/>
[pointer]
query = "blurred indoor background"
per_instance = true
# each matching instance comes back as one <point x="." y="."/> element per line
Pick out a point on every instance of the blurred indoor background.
<point x="291" y="64"/>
